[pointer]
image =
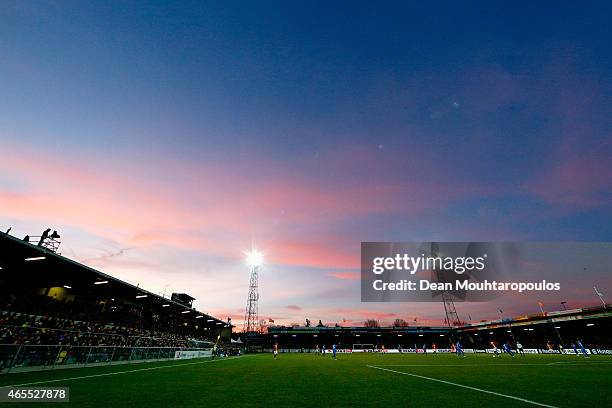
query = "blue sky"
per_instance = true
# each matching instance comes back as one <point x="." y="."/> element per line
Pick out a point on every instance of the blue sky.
<point x="184" y="132"/>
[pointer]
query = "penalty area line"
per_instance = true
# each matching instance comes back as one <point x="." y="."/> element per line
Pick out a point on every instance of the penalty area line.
<point x="465" y="386"/>
<point x="82" y="377"/>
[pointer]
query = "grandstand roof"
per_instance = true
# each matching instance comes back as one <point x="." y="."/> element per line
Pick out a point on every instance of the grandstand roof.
<point x="356" y="329"/>
<point x="21" y="261"/>
<point x="546" y="317"/>
<point x="554" y="317"/>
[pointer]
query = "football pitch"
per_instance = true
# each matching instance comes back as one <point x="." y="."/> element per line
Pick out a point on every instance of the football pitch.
<point x="352" y="380"/>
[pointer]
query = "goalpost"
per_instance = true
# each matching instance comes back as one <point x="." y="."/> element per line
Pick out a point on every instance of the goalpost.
<point x="363" y="347"/>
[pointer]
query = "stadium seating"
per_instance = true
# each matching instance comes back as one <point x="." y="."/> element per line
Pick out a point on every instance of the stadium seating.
<point x="42" y="320"/>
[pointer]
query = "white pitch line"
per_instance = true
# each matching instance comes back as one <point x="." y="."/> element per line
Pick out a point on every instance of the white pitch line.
<point x="579" y="362"/>
<point x="498" y="364"/>
<point x="466" y="386"/>
<point x="463" y="365"/>
<point x="115" y="373"/>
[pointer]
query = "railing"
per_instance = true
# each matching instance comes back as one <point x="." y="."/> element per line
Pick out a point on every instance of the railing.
<point x="20" y="358"/>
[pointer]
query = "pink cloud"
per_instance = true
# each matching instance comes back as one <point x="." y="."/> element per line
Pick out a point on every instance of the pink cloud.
<point x="218" y="211"/>
<point x="576" y="178"/>
<point x="575" y="171"/>
<point x="345" y="275"/>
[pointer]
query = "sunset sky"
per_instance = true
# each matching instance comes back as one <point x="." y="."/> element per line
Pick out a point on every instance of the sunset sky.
<point x="163" y="141"/>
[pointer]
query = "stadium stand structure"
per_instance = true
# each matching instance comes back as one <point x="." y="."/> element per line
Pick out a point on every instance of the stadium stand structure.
<point x="538" y="332"/>
<point x="49" y="300"/>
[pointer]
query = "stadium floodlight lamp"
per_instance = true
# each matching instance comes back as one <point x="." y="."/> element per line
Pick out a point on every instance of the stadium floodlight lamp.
<point x="210" y="320"/>
<point x="557" y="327"/>
<point x="35" y="258"/>
<point x="165" y="305"/>
<point x="68" y="286"/>
<point x="254" y="258"/>
<point x="508" y="331"/>
<point x="185" y="311"/>
<point x="141" y="296"/>
<point x="219" y="323"/>
<point x="199" y="317"/>
<point x="399" y="335"/>
<point x="0" y="268"/>
<point x="441" y="335"/>
<point x="590" y="324"/>
<point x="101" y="282"/>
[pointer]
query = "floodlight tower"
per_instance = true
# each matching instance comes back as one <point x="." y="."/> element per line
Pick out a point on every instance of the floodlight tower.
<point x="452" y="318"/>
<point x="251" y="322"/>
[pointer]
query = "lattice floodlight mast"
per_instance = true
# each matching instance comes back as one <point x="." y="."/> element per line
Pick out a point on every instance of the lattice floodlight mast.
<point x="251" y="313"/>
<point x="452" y="318"/>
<point x="251" y="319"/>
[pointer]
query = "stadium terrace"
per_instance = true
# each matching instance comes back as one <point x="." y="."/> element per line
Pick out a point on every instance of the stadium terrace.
<point x="54" y="310"/>
<point x="536" y="332"/>
<point x="58" y="313"/>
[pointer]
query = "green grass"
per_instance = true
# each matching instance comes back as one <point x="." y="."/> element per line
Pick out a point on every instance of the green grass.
<point x="312" y="380"/>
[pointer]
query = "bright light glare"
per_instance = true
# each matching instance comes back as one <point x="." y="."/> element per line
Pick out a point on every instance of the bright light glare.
<point x="254" y="258"/>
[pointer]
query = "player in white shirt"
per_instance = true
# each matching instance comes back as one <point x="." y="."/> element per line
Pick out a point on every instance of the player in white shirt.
<point x="495" y="350"/>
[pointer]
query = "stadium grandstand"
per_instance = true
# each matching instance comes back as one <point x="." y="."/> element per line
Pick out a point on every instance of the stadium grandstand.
<point x="553" y="332"/>
<point x="56" y="312"/>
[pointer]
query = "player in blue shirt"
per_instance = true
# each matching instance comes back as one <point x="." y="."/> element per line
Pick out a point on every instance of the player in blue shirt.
<point x="508" y="350"/>
<point x="575" y="349"/>
<point x="334" y="350"/>
<point x="459" y="348"/>
<point x="582" y="348"/>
